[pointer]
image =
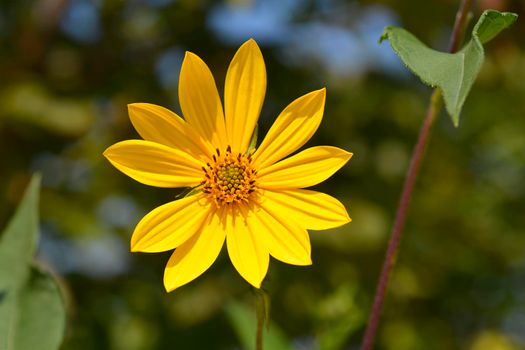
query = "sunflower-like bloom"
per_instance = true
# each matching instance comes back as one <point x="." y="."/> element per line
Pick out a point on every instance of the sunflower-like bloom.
<point x="252" y="199"/>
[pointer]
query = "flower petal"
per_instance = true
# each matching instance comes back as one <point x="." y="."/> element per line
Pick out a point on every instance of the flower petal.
<point x="292" y="129"/>
<point x="249" y="256"/>
<point x="200" y="102"/>
<point x="158" y="124"/>
<point x="307" y="168"/>
<point x="170" y="225"/>
<point x="244" y="94"/>
<point x="310" y="209"/>
<point x="154" y="164"/>
<point x="284" y="239"/>
<point x="196" y="255"/>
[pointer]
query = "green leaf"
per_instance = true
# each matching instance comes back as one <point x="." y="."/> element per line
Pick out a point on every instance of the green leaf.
<point x="491" y="23"/>
<point x="41" y="314"/>
<point x="19" y="240"/>
<point x="32" y="314"/>
<point x="243" y="320"/>
<point x="454" y="73"/>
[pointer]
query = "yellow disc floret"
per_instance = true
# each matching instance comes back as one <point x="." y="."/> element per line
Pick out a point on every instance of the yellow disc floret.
<point x="229" y="178"/>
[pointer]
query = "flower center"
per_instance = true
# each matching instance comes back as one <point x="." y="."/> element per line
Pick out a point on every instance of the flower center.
<point x="229" y="178"/>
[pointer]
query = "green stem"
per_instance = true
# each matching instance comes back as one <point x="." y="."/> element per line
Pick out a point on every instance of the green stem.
<point x="259" y="335"/>
<point x="410" y="180"/>
<point x="262" y="310"/>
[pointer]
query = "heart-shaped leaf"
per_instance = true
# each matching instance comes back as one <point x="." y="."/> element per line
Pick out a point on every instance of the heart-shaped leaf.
<point x="453" y="73"/>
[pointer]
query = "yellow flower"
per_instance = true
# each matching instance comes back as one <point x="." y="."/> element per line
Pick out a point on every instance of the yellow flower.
<point x="253" y="199"/>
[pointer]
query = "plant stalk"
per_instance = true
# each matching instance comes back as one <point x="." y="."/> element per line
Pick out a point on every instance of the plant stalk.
<point x="410" y="180"/>
<point x="262" y="311"/>
<point x="259" y="335"/>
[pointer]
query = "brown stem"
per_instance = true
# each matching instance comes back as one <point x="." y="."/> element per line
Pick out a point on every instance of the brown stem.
<point x="410" y="180"/>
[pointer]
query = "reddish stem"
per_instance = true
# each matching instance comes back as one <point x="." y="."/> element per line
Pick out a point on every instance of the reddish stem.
<point x="399" y="223"/>
<point x="410" y="180"/>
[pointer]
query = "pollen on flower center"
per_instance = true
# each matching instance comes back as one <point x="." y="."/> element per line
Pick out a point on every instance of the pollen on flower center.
<point x="229" y="178"/>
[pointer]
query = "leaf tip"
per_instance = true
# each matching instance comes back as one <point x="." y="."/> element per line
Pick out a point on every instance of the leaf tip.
<point x="491" y="23"/>
<point x="455" y="120"/>
<point x="385" y="35"/>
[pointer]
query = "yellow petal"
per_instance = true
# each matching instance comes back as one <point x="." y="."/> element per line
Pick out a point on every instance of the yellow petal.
<point x="292" y="129"/>
<point x="158" y="124"/>
<point x="284" y="238"/>
<point x="310" y="209"/>
<point x="200" y="102"/>
<point x="170" y="225"/>
<point x="306" y="168"/>
<point x="154" y="164"/>
<point x="244" y="94"/>
<point x="247" y="254"/>
<point x="196" y="255"/>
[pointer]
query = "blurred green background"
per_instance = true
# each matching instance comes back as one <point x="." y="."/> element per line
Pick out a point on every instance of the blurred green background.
<point x="69" y="67"/>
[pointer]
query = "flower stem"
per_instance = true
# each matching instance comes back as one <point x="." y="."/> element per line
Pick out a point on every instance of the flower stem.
<point x="259" y="334"/>
<point x="262" y="310"/>
<point x="413" y="170"/>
